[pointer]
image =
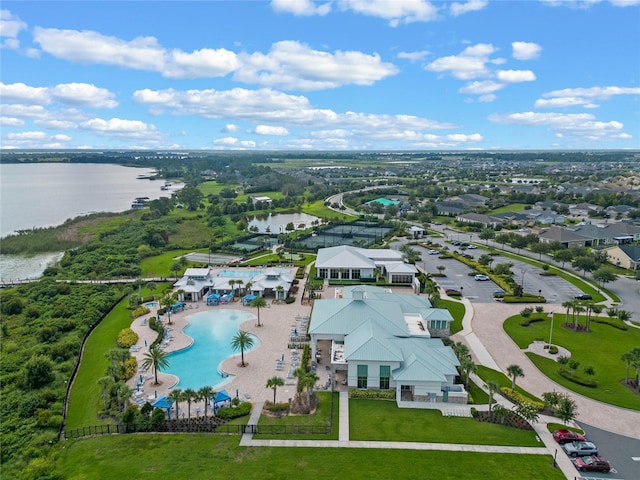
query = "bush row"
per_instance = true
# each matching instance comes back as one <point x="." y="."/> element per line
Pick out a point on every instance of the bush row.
<point x="277" y="407"/>
<point x="141" y="310"/>
<point x="615" y="323"/>
<point x="518" y="398"/>
<point x="234" y="412"/>
<point x="525" y="322"/>
<point x="577" y="378"/>
<point x="373" y="394"/>
<point x="524" y="299"/>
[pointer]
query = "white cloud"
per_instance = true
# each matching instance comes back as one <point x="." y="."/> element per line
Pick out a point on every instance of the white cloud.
<point x="487" y="98"/>
<point x="581" y="125"/>
<point x="10" y="25"/>
<point x="27" y="136"/>
<point x="11" y="122"/>
<point x="470" y="6"/>
<point x="586" y="97"/>
<point x="234" y="142"/>
<point x="201" y="63"/>
<point x="24" y="94"/>
<point x="470" y="63"/>
<point x="414" y="56"/>
<point x="230" y="127"/>
<point x="301" y="8"/>
<point x="118" y="127"/>
<point x="486" y="86"/>
<point x="525" y="50"/>
<point x="396" y="11"/>
<point x="83" y="94"/>
<point x="515" y="76"/>
<point x="584" y="4"/>
<point x="293" y="65"/>
<point x="271" y="130"/>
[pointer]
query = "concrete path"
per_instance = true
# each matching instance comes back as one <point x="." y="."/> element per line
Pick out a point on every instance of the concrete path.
<point x="343" y="432"/>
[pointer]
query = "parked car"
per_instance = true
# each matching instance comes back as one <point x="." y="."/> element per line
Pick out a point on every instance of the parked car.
<point x="592" y="464"/>
<point x="565" y="436"/>
<point x="433" y="252"/>
<point x="580" y="449"/>
<point x="472" y="247"/>
<point x="481" y="278"/>
<point x="497" y="293"/>
<point x="583" y="296"/>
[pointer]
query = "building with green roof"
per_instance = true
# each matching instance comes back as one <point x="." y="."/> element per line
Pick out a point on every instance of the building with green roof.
<point x="382" y="340"/>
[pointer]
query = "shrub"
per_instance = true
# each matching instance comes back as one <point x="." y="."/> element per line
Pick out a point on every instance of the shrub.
<point x="518" y="398"/>
<point x="553" y="350"/>
<point x="277" y="407"/>
<point x="127" y="338"/>
<point x="527" y="321"/>
<point x="474" y="412"/>
<point x="373" y="394"/>
<point x="577" y="378"/>
<point x="130" y="367"/>
<point x="141" y="310"/>
<point x="615" y="323"/>
<point x="234" y="412"/>
<point x="289" y="300"/>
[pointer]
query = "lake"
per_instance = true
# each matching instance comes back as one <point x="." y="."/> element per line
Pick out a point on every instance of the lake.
<point x="277" y="222"/>
<point x="47" y="194"/>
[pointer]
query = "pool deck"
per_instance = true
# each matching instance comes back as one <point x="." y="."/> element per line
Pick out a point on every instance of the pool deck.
<point x="277" y="321"/>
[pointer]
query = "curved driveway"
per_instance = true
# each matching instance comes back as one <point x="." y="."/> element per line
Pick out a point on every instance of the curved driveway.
<point x="487" y="326"/>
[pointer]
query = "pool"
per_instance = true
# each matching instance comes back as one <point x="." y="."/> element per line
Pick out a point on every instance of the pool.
<point x="239" y="273"/>
<point x="151" y="304"/>
<point x="212" y="331"/>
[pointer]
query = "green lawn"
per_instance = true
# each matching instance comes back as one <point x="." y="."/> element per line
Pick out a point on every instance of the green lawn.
<point x="318" y="209"/>
<point x="86" y="398"/>
<point x="160" y="265"/>
<point x="321" y="417"/>
<point x="383" y="421"/>
<point x="457" y="310"/>
<point x="601" y="348"/>
<point x="194" y="457"/>
<point x="514" y="207"/>
<point x="487" y="374"/>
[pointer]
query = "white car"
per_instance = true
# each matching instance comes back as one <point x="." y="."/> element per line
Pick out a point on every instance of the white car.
<point x="472" y="247"/>
<point x="433" y="252"/>
<point x="481" y="278"/>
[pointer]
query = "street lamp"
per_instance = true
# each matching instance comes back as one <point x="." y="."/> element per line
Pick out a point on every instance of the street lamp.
<point x="539" y="294"/>
<point x="461" y="289"/>
<point x="523" y="271"/>
<point x="550" y="330"/>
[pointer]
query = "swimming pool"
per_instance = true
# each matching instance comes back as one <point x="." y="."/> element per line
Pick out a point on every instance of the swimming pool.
<point x="151" y="304"/>
<point x="239" y="273"/>
<point x="212" y="331"/>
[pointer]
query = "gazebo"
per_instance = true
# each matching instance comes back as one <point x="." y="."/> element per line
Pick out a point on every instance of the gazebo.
<point x="164" y="402"/>
<point x="247" y="299"/>
<point x="223" y="399"/>
<point x="213" y="299"/>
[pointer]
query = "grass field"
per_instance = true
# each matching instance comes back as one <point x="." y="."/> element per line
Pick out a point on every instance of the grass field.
<point x="384" y="421"/>
<point x="514" y="207"/>
<point x="488" y="374"/>
<point x="318" y="209"/>
<point x="160" y="265"/>
<point x="601" y="348"/>
<point x="457" y="310"/>
<point x="195" y="457"/>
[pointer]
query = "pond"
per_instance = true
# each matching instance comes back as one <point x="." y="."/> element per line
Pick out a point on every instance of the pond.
<point x="277" y="222"/>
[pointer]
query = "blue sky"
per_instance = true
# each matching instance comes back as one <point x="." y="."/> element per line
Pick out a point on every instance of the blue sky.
<point x="336" y="75"/>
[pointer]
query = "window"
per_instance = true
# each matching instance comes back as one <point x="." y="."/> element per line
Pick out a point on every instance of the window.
<point x="335" y="273"/>
<point x="385" y="374"/>
<point x="363" y="372"/>
<point x="322" y="273"/>
<point x="401" y="278"/>
<point x="355" y="273"/>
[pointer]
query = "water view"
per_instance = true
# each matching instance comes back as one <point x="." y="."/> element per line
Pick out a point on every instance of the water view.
<point x="277" y="222"/>
<point x="212" y="331"/>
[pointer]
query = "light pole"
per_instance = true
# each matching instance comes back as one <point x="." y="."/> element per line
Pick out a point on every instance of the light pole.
<point x="523" y="271"/>
<point x="550" y="330"/>
<point x="461" y="289"/>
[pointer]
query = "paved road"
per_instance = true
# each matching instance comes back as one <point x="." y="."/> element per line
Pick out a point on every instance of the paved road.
<point x="619" y="450"/>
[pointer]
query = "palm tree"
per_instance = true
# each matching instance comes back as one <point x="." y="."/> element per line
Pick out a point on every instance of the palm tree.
<point x="205" y="393"/>
<point x="461" y="350"/>
<point x="568" y="305"/>
<point x="493" y="387"/>
<point x="258" y="303"/>
<point x="274" y="383"/>
<point x="577" y="310"/>
<point x="280" y="289"/>
<point x="299" y="373"/>
<point x="623" y="315"/>
<point x="176" y="396"/>
<point x="124" y="393"/>
<point x="156" y="358"/>
<point x="167" y="301"/>
<point x="467" y="367"/>
<point x="232" y="282"/>
<point x="596" y="309"/>
<point x="309" y="381"/>
<point x="189" y="394"/>
<point x="514" y="371"/>
<point x="106" y="382"/>
<point x="242" y="341"/>
<point x="239" y="283"/>
<point x="151" y="286"/>
<point x="248" y="286"/>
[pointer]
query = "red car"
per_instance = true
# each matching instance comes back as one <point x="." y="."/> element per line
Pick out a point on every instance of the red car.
<point x="592" y="464"/>
<point x="567" y="436"/>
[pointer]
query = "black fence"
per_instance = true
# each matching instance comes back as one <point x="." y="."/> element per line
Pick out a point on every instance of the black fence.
<point x="292" y="429"/>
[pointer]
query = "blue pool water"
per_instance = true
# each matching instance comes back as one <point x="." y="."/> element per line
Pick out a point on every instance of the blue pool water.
<point x="212" y="332"/>
<point x="151" y="304"/>
<point x="239" y="273"/>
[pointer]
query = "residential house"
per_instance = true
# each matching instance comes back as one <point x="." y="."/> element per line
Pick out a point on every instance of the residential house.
<point x="381" y="340"/>
<point x="484" y="220"/>
<point x="564" y="236"/>
<point x="625" y="256"/>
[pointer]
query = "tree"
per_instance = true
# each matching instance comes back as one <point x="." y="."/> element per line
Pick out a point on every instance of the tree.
<point x="563" y="256"/>
<point x="493" y="387"/>
<point x="487" y="234"/>
<point x="105" y="382"/>
<point x="206" y="393"/>
<point x="177" y="396"/>
<point x="274" y="383"/>
<point x="258" y="303"/>
<point x="467" y="367"/>
<point x="540" y="248"/>
<point x="191" y="197"/>
<point x="157" y="359"/>
<point x="38" y="371"/>
<point x="566" y="409"/>
<point x="604" y="275"/>
<point x="412" y="256"/>
<point x="189" y="394"/>
<point x="123" y="394"/>
<point x="242" y="341"/>
<point x="514" y="371"/>
<point x="527" y="411"/>
<point x="585" y="264"/>
<point x="167" y="301"/>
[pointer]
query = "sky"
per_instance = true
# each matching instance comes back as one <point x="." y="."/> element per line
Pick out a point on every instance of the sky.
<point x="345" y="75"/>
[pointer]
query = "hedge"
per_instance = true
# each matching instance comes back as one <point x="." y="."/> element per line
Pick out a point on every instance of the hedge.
<point x="373" y="394"/>
<point x="519" y="398"/>
<point x="527" y="321"/>
<point x="524" y="299"/>
<point x="277" y="407"/>
<point x="141" y="310"/>
<point x="234" y="412"/>
<point x="576" y="378"/>
<point x="611" y="322"/>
